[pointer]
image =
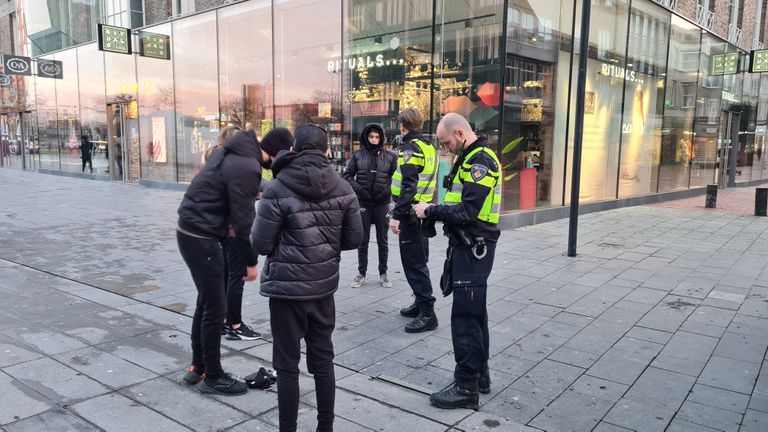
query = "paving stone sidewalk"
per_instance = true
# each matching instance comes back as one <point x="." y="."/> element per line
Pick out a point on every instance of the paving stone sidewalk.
<point x="660" y="323"/>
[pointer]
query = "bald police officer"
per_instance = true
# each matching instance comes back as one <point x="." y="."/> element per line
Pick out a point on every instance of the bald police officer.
<point x="470" y="216"/>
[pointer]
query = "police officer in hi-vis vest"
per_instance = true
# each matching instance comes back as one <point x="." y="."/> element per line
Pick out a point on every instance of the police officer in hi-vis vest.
<point x="470" y="216"/>
<point x="414" y="182"/>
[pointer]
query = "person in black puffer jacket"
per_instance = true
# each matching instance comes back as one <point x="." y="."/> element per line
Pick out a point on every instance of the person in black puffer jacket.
<point x="370" y="173"/>
<point x="307" y="215"/>
<point x="221" y="197"/>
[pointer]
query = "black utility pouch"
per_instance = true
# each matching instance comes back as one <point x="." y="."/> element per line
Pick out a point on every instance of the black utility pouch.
<point x="446" y="279"/>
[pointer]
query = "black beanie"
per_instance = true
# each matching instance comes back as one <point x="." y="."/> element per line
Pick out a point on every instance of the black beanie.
<point x="310" y="136"/>
<point x="277" y="140"/>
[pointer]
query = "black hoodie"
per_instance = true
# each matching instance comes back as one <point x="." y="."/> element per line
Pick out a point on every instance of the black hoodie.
<point x="307" y="215"/>
<point x="370" y="170"/>
<point x="224" y="193"/>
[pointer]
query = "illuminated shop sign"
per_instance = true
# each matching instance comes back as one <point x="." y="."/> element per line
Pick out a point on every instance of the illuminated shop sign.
<point x="614" y="71"/>
<point x="115" y="39"/>
<point x="725" y="64"/>
<point x="154" y="45"/>
<point x="360" y="62"/>
<point x="759" y="61"/>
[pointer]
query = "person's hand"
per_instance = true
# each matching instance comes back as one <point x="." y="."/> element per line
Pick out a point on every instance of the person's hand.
<point x="250" y="273"/>
<point x="394" y="225"/>
<point x="421" y="209"/>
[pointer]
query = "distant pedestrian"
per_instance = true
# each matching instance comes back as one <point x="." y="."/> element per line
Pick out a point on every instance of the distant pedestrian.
<point x="306" y="217"/>
<point x="370" y="171"/>
<point x="86" y="152"/>
<point x="235" y="328"/>
<point x="220" y="197"/>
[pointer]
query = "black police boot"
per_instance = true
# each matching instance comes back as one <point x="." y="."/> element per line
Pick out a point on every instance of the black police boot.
<point x="458" y="395"/>
<point x="411" y="311"/>
<point x="427" y="320"/>
<point x="484" y="382"/>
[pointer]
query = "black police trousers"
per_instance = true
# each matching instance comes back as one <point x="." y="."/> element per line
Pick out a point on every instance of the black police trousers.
<point x="414" y="254"/>
<point x="469" y="315"/>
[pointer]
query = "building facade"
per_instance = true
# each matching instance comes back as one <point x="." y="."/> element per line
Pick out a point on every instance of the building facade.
<point x="659" y="115"/>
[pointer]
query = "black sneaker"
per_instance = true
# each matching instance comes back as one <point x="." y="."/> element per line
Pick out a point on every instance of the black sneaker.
<point x="242" y="333"/>
<point x="193" y="376"/>
<point x="224" y="385"/>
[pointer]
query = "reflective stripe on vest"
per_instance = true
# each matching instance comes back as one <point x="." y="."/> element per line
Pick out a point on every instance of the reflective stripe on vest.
<point x="426" y="158"/>
<point x="492" y="204"/>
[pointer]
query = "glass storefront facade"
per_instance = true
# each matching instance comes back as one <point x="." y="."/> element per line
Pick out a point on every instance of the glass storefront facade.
<point x="657" y="117"/>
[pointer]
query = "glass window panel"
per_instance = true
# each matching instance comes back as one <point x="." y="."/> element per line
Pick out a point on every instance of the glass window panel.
<point x="245" y="65"/>
<point x="67" y="99"/>
<point x="197" y="90"/>
<point x="677" y="150"/>
<point x="534" y="97"/>
<point x="706" y="123"/>
<point x="308" y="70"/>
<point x="157" y="121"/>
<point x="47" y="128"/>
<point x="92" y="102"/>
<point x="641" y="128"/>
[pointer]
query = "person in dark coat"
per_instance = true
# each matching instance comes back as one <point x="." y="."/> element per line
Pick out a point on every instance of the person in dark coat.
<point x="86" y="152"/>
<point x="307" y="215"/>
<point x="221" y="197"/>
<point x="370" y="173"/>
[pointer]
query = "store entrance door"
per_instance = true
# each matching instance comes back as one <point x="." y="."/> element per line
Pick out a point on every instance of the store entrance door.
<point x="18" y="142"/>
<point x="728" y="147"/>
<point x="119" y="132"/>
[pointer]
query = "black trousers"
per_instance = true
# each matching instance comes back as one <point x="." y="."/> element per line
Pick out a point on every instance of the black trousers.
<point x="414" y="254"/>
<point x="375" y="215"/>
<point x="314" y="321"/>
<point x="89" y="162"/>
<point x="235" y="283"/>
<point x="205" y="259"/>
<point x="469" y="315"/>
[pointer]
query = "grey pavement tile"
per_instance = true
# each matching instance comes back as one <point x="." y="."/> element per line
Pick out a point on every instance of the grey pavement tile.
<point x="747" y="325"/>
<point x="376" y="415"/>
<point x="485" y="422"/>
<point x="742" y="347"/>
<point x="694" y="287"/>
<point x="397" y="396"/>
<point x="12" y="352"/>
<point x="105" y="368"/>
<point x="53" y="420"/>
<point x="535" y="346"/>
<point x="670" y="313"/>
<point x="389" y="368"/>
<point x="147" y="355"/>
<point x="55" y="381"/>
<point x="625" y="361"/>
<point x="572" y="319"/>
<point x="686" y="353"/>
<point x="640" y="416"/>
<point x="719" y="398"/>
<point x="684" y="426"/>
<point x="516" y="405"/>
<point x="661" y="387"/>
<point x="177" y="402"/>
<point x="307" y="421"/>
<point x="572" y="411"/>
<point x="430" y="378"/>
<point x="759" y="399"/>
<point x="500" y="310"/>
<point x="565" y="296"/>
<point x="568" y="355"/>
<point x="548" y="379"/>
<point x="542" y="309"/>
<point x="117" y="413"/>
<point x="754" y="421"/>
<point x="709" y="416"/>
<point x="645" y="295"/>
<point x="253" y="425"/>
<point x="607" y="427"/>
<point x="44" y="340"/>
<point x="511" y="365"/>
<point x="159" y="316"/>
<point x="19" y="401"/>
<point x="360" y="357"/>
<point x="730" y="374"/>
<point x="650" y="335"/>
<point x="104" y="298"/>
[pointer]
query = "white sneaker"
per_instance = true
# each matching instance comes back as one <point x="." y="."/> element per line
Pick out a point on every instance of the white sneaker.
<point x="385" y="282"/>
<point x="358" y="281"/>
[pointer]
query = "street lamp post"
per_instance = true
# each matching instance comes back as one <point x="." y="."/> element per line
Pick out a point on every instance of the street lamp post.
<point x="581" y="87"/>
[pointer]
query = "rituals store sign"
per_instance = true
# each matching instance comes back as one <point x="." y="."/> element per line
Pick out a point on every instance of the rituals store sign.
<point x="154" y="45"/>
<point x="115" y="39"/>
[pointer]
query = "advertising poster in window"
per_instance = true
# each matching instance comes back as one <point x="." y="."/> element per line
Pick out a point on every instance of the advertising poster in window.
<point x="159" y="154"/>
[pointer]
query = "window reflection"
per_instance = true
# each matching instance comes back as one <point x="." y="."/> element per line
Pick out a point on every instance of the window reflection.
<point x="47" y="131"/>
<point x="93" y="103"/>
<point x="68" y="112"/>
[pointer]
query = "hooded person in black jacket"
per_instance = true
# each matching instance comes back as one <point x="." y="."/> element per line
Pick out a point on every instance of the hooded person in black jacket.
<point x="369" y="171"/>
<point x="221" y="197"/>
<point x="307" y="215"/>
